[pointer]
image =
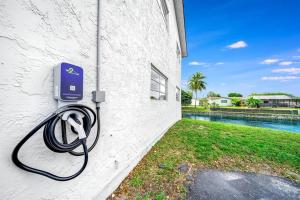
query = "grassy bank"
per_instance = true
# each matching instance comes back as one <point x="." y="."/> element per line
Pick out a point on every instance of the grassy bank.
<point x="261" y="113"/>
<point x="191" y="108"/>
<point x="200" y="144"/>
<point x="194" y="109"/>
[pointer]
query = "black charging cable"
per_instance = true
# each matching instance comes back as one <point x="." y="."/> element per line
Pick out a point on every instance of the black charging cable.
<point x="89" y="119"/>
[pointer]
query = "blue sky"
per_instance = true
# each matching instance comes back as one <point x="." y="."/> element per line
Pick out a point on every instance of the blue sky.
<point x="244" y="45"/>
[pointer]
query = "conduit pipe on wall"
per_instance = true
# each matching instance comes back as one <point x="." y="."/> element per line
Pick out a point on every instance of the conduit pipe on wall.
<point x="98" y="44"/>
<point x="98" y="96"/>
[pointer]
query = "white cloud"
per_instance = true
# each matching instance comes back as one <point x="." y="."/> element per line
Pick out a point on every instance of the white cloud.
<point x="287" y="70"/>
<point x="220" y="63"/>
<point x="286" y="63"/>
<point x="296" y="57"/>
<point x="270" y="61"/>
<point x="237" y="45"/>
<point x="196" y="63"/>
<point x="279" y="78"/>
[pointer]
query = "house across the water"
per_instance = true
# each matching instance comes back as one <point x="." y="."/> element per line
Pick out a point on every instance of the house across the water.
<point x="278" y="101"/>
<point x="220" y="101"/>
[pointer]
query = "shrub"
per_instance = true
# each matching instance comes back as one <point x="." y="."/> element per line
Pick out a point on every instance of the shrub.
<point x="204" y="103"/>
<point x="236" y="101"/>
<point x="254" y="103"/>
<point x="214" y="105"/>
<point x="186" y="97"/>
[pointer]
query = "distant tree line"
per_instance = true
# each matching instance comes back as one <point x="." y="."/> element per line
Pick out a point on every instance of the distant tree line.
<point x="196" y="83"/>
<point x="232" y="94"/>
<point x="213" y="94"/>
<point x="235" y="94"/>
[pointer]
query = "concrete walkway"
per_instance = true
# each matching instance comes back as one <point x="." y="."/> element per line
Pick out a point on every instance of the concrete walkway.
<point x="218" y="185"/>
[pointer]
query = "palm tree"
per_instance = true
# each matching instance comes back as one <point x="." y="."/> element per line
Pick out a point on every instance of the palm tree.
<point x="197" y="83"/>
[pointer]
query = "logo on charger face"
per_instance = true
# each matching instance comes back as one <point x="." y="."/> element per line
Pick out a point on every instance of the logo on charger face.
<point x="70" y="70"/>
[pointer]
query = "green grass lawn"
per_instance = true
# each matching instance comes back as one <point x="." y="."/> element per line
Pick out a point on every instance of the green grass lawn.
<point x="202" y="145"/>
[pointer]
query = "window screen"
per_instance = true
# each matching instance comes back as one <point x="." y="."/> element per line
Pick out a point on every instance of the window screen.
<point x="158" y="85"/>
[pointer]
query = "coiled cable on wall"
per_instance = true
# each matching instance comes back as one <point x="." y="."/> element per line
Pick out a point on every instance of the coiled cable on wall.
<point x="89" y="119"/>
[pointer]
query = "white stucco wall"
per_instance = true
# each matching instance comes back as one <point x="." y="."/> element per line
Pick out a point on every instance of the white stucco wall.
<point x="35" y="36"/>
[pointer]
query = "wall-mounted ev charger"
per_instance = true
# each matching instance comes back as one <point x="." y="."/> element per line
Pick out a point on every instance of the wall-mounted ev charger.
<point x="68" y="90"/>
<point x="68" y="82"/>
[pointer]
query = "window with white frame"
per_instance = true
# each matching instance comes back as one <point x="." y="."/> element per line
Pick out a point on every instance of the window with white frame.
<point x="165" y="9"/>
<point x="158" y="84"/>
<point x="177" y="93"/>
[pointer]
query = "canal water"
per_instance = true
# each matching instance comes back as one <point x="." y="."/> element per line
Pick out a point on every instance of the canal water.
<point x="292" y="126"/>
